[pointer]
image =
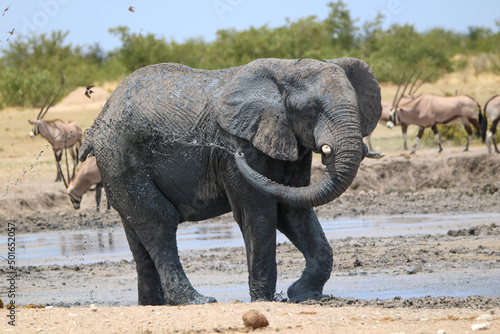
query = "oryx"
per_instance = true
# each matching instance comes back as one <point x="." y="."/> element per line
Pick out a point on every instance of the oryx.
<point x="428" y="110"/>
<point x="492" y="109"/>
<point x="61" y="135"/>
<point x="391" y="121"/>
<point x="87" y="175"/>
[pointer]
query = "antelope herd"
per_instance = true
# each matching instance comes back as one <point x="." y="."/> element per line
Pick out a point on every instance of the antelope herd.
<point x="423" y="110"/>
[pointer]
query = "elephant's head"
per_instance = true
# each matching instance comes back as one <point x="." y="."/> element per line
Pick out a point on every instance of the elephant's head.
<point x="284" y="107"/>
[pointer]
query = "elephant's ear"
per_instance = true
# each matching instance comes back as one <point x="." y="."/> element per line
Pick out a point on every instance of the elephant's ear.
<point x="252" y="106"/>
<point x="367" y="90"/>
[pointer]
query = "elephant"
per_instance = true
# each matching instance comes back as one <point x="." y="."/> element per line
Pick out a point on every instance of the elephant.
<point x="176" y="144"/>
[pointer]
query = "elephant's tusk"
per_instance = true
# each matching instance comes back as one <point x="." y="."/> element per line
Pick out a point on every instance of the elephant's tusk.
<point x="374" y="155"/>
<point x="326" y="149"/>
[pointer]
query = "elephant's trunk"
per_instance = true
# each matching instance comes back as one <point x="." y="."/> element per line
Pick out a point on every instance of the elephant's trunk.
<point x="341" y="167"/>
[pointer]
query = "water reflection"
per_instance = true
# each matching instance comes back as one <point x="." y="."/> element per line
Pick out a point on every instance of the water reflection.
<point x="74" y="247"/>
<point x="208" y="232"/>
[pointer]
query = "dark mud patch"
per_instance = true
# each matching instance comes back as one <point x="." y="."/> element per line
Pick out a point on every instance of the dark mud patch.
<point x="428" y="302"/>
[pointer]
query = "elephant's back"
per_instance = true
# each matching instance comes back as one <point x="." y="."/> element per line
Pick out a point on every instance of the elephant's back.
<point x="167" y="96"/>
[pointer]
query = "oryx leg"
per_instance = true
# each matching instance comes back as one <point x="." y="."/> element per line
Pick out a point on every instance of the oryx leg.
<point x="74" y="156"/>
<point x="476" y="125"/>
<point x="58" y="156"/>
<point x="491" y="136"/>
<point x="404" y="128"/>
<point x="98" y="192"/>
<point x="419" y="138"/>
<point x="438" y="139"/>
<point x="469" y="136"/>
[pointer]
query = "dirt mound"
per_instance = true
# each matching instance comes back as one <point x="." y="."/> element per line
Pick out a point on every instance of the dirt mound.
<point x="466" y="172"/>
<point x="473" y="172"/>
<point x="466" y="182"/>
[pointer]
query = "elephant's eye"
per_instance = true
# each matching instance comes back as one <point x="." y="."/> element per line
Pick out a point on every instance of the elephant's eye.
<point x="326" y="149"/>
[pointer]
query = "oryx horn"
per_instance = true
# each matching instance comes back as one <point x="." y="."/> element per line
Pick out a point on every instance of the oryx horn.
<point x="63" y="81"/>
<point x="44" y="104"/>
<point x="414" y="82"/>
<point x="422" y="82"/>
<point x="404" y="89"/>
<point x="397" y="91"/>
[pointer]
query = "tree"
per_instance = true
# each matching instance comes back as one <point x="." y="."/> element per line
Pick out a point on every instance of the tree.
<point x="341" y="26"/>
<point x="32" y="66"/>
<point x="139" y="50"/>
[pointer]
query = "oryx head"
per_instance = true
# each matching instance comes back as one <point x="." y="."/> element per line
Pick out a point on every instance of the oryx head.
<point x="393" y="113"/>
<point x="392" y="118"/>
<point x="75" y="200"/>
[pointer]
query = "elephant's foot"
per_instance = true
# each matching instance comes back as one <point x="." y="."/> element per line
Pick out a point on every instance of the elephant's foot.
<point x="261" y="295"/>
<point x="188" y="298"/>
<point x="201" y="299"/>
<point x="299" y="292"/>
<point x="195" y="299"/>
<point x="148" y="296"/>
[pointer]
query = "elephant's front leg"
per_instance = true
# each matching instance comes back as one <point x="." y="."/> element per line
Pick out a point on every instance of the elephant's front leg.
<point x="303" y="229"/>
<point x="256" y="216"/>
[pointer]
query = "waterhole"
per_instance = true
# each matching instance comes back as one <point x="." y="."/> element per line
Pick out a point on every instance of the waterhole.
<point x="75" y="247"/>
<point x="91" y="246"/>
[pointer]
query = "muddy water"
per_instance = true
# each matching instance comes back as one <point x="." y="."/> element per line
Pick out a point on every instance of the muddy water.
<point x="75" y="247"/>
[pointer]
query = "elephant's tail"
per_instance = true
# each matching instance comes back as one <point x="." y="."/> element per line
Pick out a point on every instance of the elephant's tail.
<point x="87" y="148"/>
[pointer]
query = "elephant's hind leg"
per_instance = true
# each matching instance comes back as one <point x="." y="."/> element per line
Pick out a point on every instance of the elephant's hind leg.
<point x="302" y="228"/>
<point x="151" y="224"/>
<point x="148" y="280"/>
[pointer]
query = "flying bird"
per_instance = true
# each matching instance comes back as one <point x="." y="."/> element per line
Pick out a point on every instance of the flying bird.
<point x="88" y="91"/>
<point x="131" y="9"/>
<point x="11" y="33"/>
<point x="6" y="9"/>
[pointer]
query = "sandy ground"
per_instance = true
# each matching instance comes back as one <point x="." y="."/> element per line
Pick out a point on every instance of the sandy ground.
<point x="95" y="298"/>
